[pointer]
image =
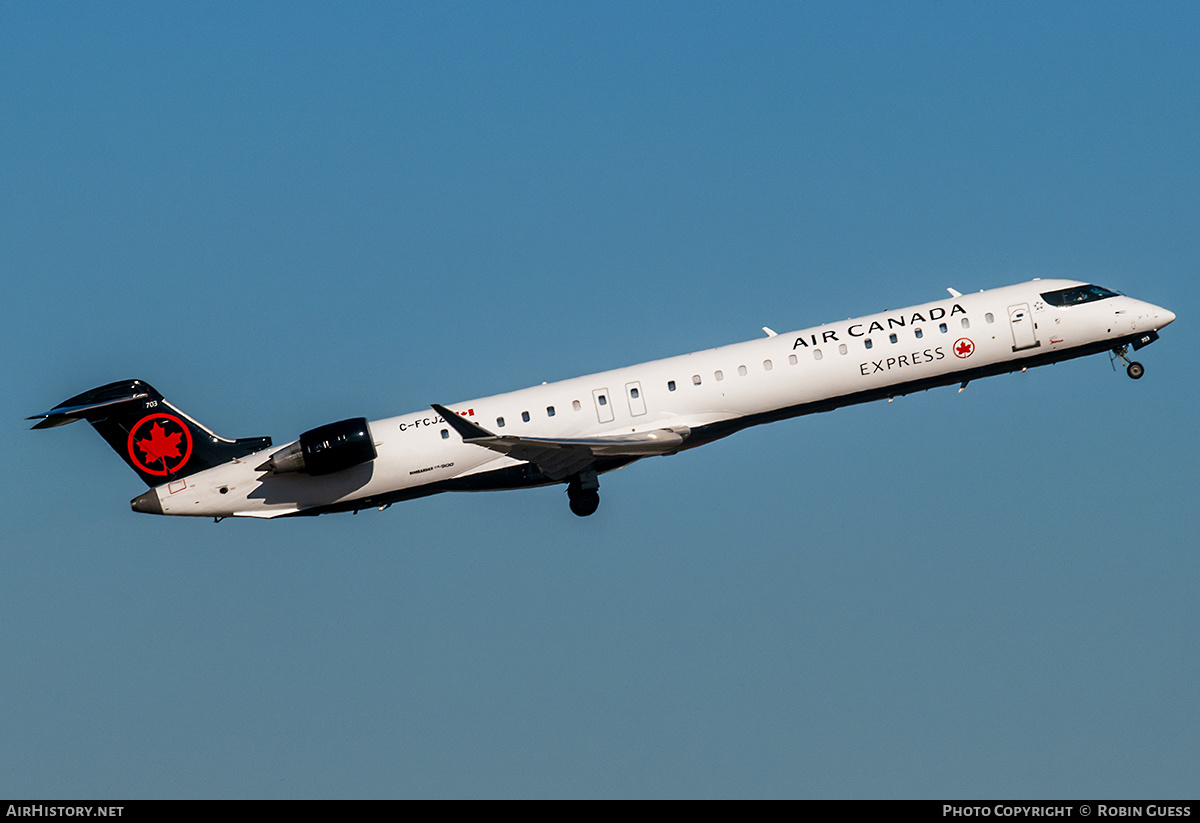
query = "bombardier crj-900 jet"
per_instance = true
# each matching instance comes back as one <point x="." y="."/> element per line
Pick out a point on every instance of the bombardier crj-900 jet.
<point x="572" y="431"/>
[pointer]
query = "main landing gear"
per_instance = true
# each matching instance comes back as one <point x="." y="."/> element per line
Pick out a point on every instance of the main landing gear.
<point x="583" y="493"/>
<point x="1133" y="368"/>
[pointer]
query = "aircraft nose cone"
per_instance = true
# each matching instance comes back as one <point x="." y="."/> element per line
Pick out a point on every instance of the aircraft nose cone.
<point x="1167" y="317"/>
<point x="146" y="503"/>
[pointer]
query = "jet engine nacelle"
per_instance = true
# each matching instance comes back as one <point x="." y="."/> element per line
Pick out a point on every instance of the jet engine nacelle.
<point x="326" y="449"/>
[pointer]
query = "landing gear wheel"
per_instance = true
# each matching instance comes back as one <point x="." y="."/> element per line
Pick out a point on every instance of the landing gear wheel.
<point x="585" y="503"/>
<point x="1133" y="368"/>
<point x="583" y="492"/>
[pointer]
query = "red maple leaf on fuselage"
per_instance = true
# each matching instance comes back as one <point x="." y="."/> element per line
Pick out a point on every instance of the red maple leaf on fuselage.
<point x="160" y="445"/>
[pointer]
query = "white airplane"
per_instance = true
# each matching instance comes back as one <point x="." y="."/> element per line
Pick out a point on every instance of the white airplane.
<point x="572" y="431"/>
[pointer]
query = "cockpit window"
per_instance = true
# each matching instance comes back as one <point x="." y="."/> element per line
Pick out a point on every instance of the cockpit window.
<point x="1076" y="295"/>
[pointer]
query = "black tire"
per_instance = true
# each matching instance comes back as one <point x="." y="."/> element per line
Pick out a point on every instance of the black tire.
<point x="1136" y="370"/>
<point x="585" y="503"/>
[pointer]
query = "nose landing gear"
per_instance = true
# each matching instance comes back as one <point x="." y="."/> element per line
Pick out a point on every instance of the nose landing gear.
<point x="1133" y="368"/>
<point x="583" y="493"/>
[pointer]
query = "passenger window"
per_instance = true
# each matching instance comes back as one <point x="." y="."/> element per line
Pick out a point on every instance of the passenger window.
<point x="767" y="365"/>
<point x="817" y="354"/>
<point x="500" y="422"/>
<point x="695" y="380"/>
<point x="942" y="328"/>
<point x="918" y="333"/>
<point x="793" y="359"/>
<point x="525" y="416"/>
<point x="719" y="374"/>
<point x="445" y="434"/>
<point x="966" y="323"/>
<point x="575" y="405"/>
<point x="868" y="343"/>
<point x="742" y="371"/>
<point x="989" y="317"/>
<point x="602" y="400"/>
<point x="633" y="393"/>
<point x="842" y="348"/>
<point x="670" y="385"/>
<point x="549" y="411"/>
<point x="892" y="337"/>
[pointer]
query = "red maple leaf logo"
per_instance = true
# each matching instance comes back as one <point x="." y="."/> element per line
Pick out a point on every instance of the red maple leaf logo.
<point x="160" y="445"/>
<point x="964" y="347"/>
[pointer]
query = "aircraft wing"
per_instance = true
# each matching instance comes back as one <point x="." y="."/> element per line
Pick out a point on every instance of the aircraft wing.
<point x="559" y="459"/>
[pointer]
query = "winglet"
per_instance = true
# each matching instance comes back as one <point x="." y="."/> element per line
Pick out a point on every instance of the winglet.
<point x="954" y="293"/>
<point x="467" y="429"/>
<point x="770" y="332"/>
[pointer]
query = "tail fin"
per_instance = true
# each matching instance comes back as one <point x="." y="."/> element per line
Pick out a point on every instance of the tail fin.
<point x="157" y="440"/>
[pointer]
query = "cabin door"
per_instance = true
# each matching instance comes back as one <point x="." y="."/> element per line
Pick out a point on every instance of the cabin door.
<point x="637" y="403"/>
<point x="1023" y="331"/>
<point x="604" y="409"/>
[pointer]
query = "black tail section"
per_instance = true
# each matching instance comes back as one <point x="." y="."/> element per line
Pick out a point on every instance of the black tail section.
<point x="157" y="440"/>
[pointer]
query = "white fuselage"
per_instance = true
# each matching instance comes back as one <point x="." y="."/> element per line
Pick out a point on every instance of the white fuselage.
<point x="710" y="393"/>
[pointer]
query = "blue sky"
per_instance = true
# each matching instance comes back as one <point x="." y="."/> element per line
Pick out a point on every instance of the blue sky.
<point x="286" y="214"/>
